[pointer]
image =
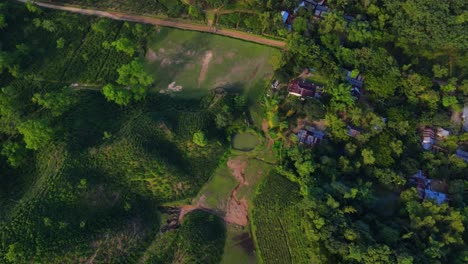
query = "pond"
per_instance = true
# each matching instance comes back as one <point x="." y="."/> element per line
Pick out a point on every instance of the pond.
<point x="245" y="141"/>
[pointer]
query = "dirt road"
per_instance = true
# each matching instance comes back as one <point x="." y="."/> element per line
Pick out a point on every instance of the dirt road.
<point x="166" y="23"/>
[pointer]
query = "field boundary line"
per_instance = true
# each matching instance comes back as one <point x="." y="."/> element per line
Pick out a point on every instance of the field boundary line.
<point x="167" y="23"/>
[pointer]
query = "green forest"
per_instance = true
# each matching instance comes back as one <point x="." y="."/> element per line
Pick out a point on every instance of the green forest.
<point x="100" y="162"/>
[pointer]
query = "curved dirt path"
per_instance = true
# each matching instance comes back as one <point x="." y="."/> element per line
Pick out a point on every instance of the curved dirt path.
<point x="237" y="210"/>
<point x="161" y="22"/>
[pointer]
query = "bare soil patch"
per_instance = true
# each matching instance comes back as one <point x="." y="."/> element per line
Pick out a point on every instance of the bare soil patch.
<point x="151" y="55"/>
<point x="238" y="166"/>
<point x="200" y="205"/>
<point x="174" y="88"/>
<point x="237" y="210"/>
<point x="205" y="64"/>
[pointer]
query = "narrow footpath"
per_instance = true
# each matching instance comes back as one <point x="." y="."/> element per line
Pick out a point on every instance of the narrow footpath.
<point x="166" y="23"/>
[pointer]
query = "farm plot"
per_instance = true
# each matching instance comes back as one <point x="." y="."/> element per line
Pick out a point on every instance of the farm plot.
<point x="190" y="64"/>
<point x="276" y="222"/>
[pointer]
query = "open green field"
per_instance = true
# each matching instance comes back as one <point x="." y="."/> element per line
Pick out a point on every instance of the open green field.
<point x="245" y="141"/>
<point x="190" y="64"/>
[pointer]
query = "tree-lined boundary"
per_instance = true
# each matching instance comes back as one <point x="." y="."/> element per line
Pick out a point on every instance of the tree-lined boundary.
<point x="166" y="23"/>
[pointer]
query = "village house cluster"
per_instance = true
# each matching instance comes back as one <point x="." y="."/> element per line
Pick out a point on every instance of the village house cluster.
<point x="318" y="8"/>
<point x="432" y="139"/>
<point x="429" y="189"/>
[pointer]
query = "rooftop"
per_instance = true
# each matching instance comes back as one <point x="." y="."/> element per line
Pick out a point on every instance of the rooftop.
<point x="430" y="189"/>
<point x="303" y="89"/>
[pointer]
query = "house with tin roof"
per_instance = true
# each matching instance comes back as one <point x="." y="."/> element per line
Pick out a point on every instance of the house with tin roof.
<point x="429" y="189"/>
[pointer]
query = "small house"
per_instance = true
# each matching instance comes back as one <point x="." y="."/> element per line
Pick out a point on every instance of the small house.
<point x="354" y="78"/>
<point x="428" y="138"/>
<point x="462" y="154"/>
<point x="285" y="16"/>
<point x="442" y="134"/>
<point x="465" y="118"/>
<point x="320" y="11"/>
<point x="303" y="89"/>
<point x="430" y="189"/>
<point x="310" y="136"/>
<point x="352" y="132"/>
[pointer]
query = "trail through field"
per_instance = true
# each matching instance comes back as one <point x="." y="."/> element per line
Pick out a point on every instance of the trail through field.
<point x="161" y="22"/>
<point x="237" y="210"/>
<point x="205" y="65"/>
<point x="265" y="130"/>
<point x="200" y="205"/>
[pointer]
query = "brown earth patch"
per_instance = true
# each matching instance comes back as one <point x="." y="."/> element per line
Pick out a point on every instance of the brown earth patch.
<point x="151" y="55"/>
<point x="237" y="210"/>
<point x="230" y="55"/>
<point x="200" y="205"/>
<point x="205" y="64"/>
<point x="238" y="166"/>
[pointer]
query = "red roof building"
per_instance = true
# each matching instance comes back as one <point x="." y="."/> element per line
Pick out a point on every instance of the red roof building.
<point x="303" y="89"/>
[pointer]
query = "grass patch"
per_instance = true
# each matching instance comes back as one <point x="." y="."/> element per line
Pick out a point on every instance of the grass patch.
<point x="196" y="63"/>
<point x="317" y="78"/>
<point x="239" y="247"/>
<point x="218" y="189"/>
<point x="245" y="141"/>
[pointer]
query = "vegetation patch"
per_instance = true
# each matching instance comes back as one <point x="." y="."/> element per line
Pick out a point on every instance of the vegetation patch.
<point x="245" y="141"/>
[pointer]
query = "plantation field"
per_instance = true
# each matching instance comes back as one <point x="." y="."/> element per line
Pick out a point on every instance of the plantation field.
<point x="190" y="64"/>
<point x="97" y="181"/>
<point x="277" y="222"/>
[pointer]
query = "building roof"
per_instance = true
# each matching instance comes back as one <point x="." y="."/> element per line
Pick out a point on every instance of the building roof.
<point x="320" y="10"/>
<point x="428" y="139"/>
<point x="429" y="189"/>
<point x="462" y="154"/>
<point x="357" y="81"/>
<point x="465" y="118"/>
<point x="310" y="138"/>
<point x="352" y="132"/>
<point x="302" y="88"/>
<point x="442" y="133"/>
<point x="438" y="197"/>
<point x="285" y="15"/>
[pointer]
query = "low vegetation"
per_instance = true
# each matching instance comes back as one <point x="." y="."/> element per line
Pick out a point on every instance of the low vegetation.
<point x="129" y="143"/>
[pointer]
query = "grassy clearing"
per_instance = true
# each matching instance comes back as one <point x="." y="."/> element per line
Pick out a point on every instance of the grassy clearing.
<point x="245" y="141"/>
<point x="318" y="78"/>
<point x="218" y="189"/>
<point x="199" y="62"/>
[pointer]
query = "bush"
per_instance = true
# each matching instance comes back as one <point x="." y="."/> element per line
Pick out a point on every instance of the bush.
<point x="199" y="138"/>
